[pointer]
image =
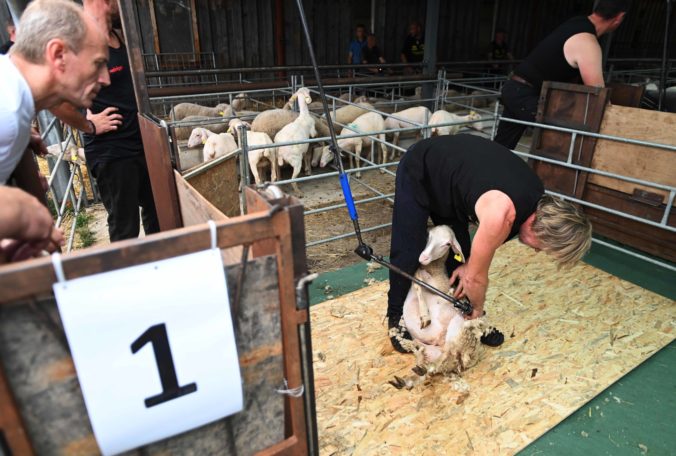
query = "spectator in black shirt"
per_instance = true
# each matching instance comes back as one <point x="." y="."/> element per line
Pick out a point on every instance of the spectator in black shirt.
<point x="11" y="31"/>
<point x="499" y="47"/>
<point x="413" y="50"/>
<point x="371" y="55"/>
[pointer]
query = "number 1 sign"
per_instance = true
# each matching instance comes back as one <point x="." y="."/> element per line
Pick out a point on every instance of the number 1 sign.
<point x="154" y="348"/>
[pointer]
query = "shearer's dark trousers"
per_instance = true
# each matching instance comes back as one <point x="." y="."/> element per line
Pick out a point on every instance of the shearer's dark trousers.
<point x="409" y="237"/>
<point x="124" y="186"/>
<point x="520" y="102"/>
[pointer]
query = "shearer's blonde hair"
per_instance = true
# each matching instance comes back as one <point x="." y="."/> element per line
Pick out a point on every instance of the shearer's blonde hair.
<point x="45" y="20"/>
<point x="564" y="231"/>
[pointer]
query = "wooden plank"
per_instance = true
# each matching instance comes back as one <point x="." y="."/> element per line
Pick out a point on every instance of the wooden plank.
<point x="12" y="430"/>
<point x="641" y="162"/>
<point x="220" y="186"/>
<point x="161" y="172"/>
<point x="650" y="239"/>
<point x="40" y="371"/>
<point x="35" y="277"/>
<point x="571" y="106"/>
<point x="132" y="35"/>
<point x="581" y="328"/>
<point x="257" y="202"/>
<point x="195" y="210"/>
<point x="625" y="94"/>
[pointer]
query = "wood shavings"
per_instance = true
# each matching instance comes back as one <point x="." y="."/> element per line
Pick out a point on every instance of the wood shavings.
<point x="372" y="266"/>
<point x="643" y="448"/>
<point x="584" y="434"/>
<point x="504" y="411"/>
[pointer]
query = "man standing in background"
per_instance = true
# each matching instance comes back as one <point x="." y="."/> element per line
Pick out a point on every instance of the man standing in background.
<point x="413" y="49"/>
<point x="354" y="55"/>
<point x="11" y="32"/>
<point x="572" y="52"/>
<point x="113" y="144"/>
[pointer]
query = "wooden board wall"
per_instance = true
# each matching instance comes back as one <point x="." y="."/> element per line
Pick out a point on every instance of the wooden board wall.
<point x="646" y="163"/>
<point x="569" y="334"/>
<point x="40" y="370"/>
<point x="220" y="186"/>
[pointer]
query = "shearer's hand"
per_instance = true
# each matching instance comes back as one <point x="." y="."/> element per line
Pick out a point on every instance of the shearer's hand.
<point x="105" y="121"/>
<point x="474" y="288"/>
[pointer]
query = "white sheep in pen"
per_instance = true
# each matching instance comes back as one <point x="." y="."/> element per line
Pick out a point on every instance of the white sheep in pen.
<point x="301" y="129"/>
<point x="259" y="159"/>
<point x="183" y="110"/>
<point x="406" y="119"/>
<point x="215" y="145"/>
<point x="370" y="122"/>
<point x="349" y="113"/>
<point x="443" y="117"/>
<point x="184" y="132"/>
<point x="443" y="341"/>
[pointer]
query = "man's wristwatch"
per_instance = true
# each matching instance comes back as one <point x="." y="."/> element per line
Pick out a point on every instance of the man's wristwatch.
<point x="91" y="124"/>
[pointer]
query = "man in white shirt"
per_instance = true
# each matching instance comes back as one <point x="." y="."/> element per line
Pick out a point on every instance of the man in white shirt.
<point x="60" y="55"/>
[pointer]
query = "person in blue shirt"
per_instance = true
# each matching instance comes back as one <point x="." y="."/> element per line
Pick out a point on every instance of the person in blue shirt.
<point x="354" y="56"/>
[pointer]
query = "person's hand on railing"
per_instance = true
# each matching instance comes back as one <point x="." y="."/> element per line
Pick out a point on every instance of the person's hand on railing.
<point x="105" y="121"/>
<point x="26" y="226"/>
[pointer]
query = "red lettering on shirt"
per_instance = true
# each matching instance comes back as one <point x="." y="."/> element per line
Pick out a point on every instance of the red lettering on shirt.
<point x="116" y="69"/>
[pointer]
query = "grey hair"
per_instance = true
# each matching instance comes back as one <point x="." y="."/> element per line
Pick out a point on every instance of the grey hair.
<point x="46" y="20"/>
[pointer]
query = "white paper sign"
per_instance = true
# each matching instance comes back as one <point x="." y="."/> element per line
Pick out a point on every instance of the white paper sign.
<point x="154" y="348"/>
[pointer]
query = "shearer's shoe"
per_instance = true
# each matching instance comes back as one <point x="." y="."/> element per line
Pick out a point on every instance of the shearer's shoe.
<point x="397" y="332"/>
<point x="493" y="338"/>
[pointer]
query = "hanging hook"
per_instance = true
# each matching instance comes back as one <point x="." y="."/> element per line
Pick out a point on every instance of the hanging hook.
<point x="214" y="234"/>
<point x="58" y="267"/>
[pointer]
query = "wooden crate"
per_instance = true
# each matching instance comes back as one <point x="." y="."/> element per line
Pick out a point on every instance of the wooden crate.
<point x="41" y="405"/>
<point x="586" y="108"/>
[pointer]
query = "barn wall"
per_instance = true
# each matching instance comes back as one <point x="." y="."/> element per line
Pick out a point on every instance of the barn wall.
<point x="241" y="32"/>
<point x="4" y="16"/>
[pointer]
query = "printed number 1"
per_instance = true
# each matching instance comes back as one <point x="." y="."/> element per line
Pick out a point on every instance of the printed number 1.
<point x="157" y="336"/>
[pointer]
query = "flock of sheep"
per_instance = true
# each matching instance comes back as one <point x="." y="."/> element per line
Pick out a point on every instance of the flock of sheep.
<point x="286" y="132"/>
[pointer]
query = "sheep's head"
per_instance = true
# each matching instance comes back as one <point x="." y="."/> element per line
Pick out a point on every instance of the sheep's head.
<point x="327" y="157"/>
<point x="440" y="240"/>
<point x="473" y="115"/>
<point x="198" y="136"/>
<point x="234" y="124"/>
<point x="303" y="93"/>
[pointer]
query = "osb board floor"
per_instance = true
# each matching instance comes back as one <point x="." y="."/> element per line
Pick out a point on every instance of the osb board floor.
<point x="569" y="334"/>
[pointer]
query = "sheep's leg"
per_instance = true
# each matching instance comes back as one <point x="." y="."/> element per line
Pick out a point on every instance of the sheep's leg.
<point x="357" y="158"/>
<point x="423" y="309"/>
<point x="274" y="166"/>
<point x="307" y="157"/>
<point x="383" y="152"/>
<point x="296" y="172"/>
<point x="255" y="171"/>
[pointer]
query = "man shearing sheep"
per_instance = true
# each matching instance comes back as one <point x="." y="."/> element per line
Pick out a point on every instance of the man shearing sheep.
<point x="463" y="179"/>
<point x="570" y="53"/>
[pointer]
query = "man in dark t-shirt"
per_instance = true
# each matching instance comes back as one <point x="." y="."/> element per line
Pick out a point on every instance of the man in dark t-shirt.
<point x="371" y="55"/>
<point x="463" y="179"/>
<point x="499" y="50"/>
<point x="413" y="49"/>
<point x="569" y="53"/>
<point x="113" y="144"/>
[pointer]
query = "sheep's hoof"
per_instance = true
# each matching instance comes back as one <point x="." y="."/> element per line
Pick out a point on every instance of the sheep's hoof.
<point x="425" y="322"/>
<point x="357" y="175"/>
<point x="398" y="382"/>
<point x="419" y="370"/>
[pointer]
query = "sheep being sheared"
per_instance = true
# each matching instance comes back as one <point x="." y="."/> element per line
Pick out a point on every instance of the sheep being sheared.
<point x="443" y="341"/>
